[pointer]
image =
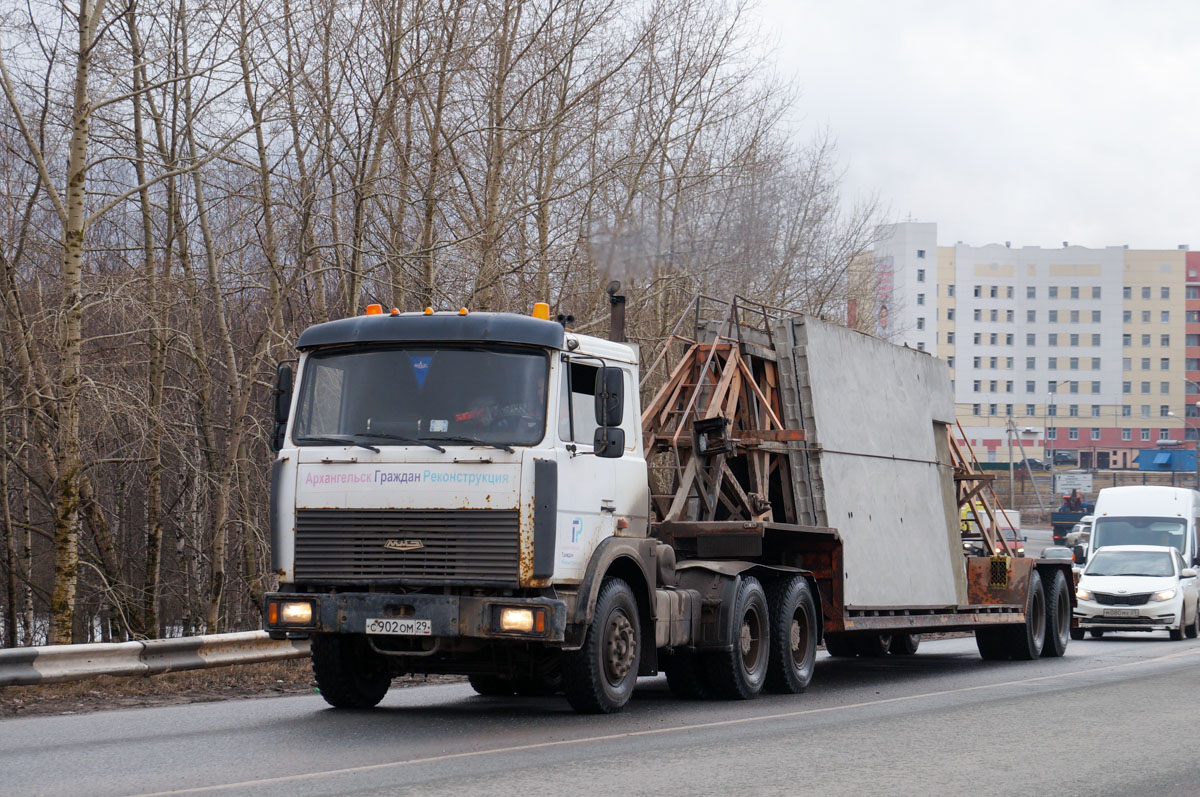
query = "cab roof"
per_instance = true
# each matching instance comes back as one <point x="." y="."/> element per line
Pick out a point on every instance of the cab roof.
<point x="435" y="327"/>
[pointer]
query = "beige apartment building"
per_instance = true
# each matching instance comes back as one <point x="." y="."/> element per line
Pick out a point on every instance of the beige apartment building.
<point x="1092" y="351"/>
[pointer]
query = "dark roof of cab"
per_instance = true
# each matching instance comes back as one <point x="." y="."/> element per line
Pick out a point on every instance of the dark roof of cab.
<point x="440" y="327"/>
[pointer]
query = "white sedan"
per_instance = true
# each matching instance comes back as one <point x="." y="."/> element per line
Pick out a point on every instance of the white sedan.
<point x="1137" y="588"/>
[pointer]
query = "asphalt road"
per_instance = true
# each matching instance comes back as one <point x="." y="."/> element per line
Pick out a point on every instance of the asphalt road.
<point x="1113" y="716"/>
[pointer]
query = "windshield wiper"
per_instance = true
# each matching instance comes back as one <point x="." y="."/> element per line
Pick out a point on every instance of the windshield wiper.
<point x="410" y="440"/>
<point x="478" y="442"/>
<point x="343" y="441"/>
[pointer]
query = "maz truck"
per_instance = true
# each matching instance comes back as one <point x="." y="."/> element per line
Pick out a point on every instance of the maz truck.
<point x="484" y="494"/>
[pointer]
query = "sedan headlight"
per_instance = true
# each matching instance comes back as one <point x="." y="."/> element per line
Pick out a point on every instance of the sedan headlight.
<point x="1083" y="594"/>
<point x="1165" y="595"/>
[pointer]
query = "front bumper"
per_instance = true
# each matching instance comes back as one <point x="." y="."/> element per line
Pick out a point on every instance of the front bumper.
<point x="449" y="615"/>
<point x="1154" y="616"/>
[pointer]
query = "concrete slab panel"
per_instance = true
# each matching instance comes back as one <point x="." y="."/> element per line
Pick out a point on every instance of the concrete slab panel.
<point x="876" y="426"/>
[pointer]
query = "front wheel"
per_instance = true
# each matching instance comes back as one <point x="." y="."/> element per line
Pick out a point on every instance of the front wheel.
<point x="349" y="673"/>
<point x="739" y="674"/>
<point x="793" y="648"/>
<point x="1193" y="630"/>
<point x="600" y="676"/>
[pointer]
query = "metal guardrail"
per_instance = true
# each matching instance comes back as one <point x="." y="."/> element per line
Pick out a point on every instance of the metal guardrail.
<point x="54" y="663"/>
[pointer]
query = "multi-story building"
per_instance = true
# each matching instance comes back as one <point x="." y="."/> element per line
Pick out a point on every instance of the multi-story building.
<point x="1096" y="351"/>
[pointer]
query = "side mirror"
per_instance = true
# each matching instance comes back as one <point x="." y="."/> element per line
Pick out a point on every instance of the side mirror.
<point x="1187" y="572"/>
<point x="610" y="397"/>
<point x="609" y="442"/>
<point x="283" y="404"/>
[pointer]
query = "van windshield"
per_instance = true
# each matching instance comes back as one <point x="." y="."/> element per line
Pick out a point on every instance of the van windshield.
<point x="1139" y="531"/>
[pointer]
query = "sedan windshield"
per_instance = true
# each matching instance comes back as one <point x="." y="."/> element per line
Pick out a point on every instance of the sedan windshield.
<point x="419" y="396"/>
<point x="1131" y="563"/>
<point x="1163" y="531"/>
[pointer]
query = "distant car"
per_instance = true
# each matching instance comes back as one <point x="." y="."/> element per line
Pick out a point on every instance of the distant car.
<point x="1032" y="463"/>
<point x="1065" y="458"/>
<point x="1015" y="541"/>
<point x="1058" y="552"/>
<point x="1137" y="588"/>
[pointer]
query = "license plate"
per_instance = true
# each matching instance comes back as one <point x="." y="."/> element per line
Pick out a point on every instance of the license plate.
<point x="1120" y="612"/>
<point x="399" y="627"/>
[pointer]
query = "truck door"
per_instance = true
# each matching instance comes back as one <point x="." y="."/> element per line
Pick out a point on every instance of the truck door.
<point x="586" y="486"/>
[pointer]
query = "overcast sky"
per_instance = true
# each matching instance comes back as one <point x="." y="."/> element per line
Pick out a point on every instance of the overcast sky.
<point x="1035" y="122"/>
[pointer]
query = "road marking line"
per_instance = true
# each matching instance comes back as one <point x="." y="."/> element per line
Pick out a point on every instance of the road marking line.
<point x="657" y="731"/>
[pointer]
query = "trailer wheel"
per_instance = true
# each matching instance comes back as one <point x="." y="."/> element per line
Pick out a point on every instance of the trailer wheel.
<point x="600" y="676"/>
<point x="739" y="674"/>
<point x="1027" y="641"/>
<point x="840" y="646"/>
<point x="1058" y="616"/>
<point x="793" y="648"/>
<point x="349" y="673"/>
<point x="905" y="644"/>
<point x="491" y="685"/>
<point x="992" y="643"/>
<point x="872" y="646"/>
<point x="1077" y="633"/>
<point x="687" y="676"/>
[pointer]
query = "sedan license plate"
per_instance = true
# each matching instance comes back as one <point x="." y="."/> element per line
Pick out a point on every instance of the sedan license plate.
<point x="399" y="627"/>
<point x="1120" y="612"/>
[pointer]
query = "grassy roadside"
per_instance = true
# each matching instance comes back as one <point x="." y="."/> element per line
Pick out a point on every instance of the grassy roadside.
<point x="271" y="679"/>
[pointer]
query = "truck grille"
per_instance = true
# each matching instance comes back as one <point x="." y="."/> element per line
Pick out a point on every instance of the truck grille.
<point x="1106" y="599"/>
<point x="457" y="546"/>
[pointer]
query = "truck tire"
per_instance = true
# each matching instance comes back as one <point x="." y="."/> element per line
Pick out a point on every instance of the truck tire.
<point x="1077" y="633"/>
<point x="687" y="676"/>
<point x="992" y="642"/>
<point x="1058" y="616"/>
<point x="491" y="685"/>
<point x="349" y="673"/>
<point x="600" y="676"/>
<point x="840" y="646"/>
<point x="740" y="674"/>
<point x="793" y="648"/>
<point x="1027" y="641"/>
<point x="904" y="644"/>
<point x="872" y="646"/>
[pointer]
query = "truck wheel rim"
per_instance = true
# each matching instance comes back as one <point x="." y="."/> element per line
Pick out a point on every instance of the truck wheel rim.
<point x="750" y="645"/>
<point x="620" y="646"/>
<point x="799" y="638"/>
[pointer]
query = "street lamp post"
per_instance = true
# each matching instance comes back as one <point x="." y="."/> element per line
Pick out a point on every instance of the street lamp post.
<point x="1187" y="427"/>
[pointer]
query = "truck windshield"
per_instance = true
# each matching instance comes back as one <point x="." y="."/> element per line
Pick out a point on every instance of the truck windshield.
<point x="443" y="395"/>
<point x="1131" y="563"/>
<point x="1138" y="531"/>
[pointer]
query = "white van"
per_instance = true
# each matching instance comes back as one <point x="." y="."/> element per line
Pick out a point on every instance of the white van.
<point x="1144" y="515"/>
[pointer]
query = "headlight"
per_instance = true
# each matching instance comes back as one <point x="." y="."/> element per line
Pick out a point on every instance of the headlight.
<point x="1083" y="594"/>
<point x="295" y="613"/>
<point x="1165" y="595"/>
<point x="522" y="620"/>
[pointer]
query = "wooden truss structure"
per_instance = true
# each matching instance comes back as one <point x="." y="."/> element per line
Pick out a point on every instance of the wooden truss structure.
<point x="713" y="433"/>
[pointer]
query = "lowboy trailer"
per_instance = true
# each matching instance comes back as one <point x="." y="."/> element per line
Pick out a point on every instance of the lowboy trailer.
<point x="483" y="494"/>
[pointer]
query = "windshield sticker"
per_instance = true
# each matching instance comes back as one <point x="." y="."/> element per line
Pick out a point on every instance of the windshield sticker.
<point x="420" y="366"/>
<point x="437" y="425"/>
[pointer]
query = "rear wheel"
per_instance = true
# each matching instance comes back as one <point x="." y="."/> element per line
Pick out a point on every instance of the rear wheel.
<point x="687" y="677"/>
<point x="992" y="643"/>
<point x="490" y="685"/>
<point x="1027" y="641"/>
<point x="1058" y="616"/>
<point x="739" y="674"/>
<point x="349" y="673"/>
<point x="793" y="642"/>
<point x="905" y="644"/>
<point x="600" y="676"/>
<point x="840" y="646"/>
